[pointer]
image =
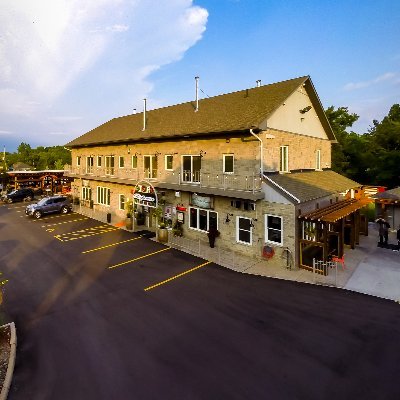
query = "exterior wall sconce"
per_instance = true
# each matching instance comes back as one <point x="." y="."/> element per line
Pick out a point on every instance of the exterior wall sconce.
<point x="227" y="219"/>
<point x="252" y="222"/>
<point x="202" y="153"/>
<point x="137" y="154"/>
<point x="305" y="109"/>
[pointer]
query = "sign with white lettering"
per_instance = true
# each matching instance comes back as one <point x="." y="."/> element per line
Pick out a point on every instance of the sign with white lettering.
<point x="145" y="195"/>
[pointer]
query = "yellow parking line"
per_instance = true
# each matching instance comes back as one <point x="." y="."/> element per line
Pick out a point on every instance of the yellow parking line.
<point x="177" y="276"/>
<point x="54" y="216"/>
<point x="64" y="222"/>
<point x="139" y="258"/>
<point x="109" y="245"/>
<point x="67" y="236"/>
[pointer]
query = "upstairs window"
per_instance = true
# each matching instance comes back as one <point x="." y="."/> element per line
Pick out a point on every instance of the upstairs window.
<point x="169" y="162"/>
<point x="89" y="164"/>
<point x="318" y="160"/>
<point x="134" y="162"/>
<point x="228" y="163"/>
<point x="109" y="164"/>
<point x="78" y="161"/>
<point x="284" y="159"/>
<point x="99" y="161"/>
<point x="121" y="162"/>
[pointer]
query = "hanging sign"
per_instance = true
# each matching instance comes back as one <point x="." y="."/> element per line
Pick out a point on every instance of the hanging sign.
<point x="145" y="195"/>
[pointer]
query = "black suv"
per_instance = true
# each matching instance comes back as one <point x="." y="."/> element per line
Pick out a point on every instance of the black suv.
<point x="19" y="195"/>
<point x="49" y="205"/>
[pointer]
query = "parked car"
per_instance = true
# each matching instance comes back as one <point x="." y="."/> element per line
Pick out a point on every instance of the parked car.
<point x="19" y="195"/>
<point x="48" y="205"/>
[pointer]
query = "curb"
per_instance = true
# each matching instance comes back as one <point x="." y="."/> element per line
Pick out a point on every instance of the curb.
<point x="11" y="362"/>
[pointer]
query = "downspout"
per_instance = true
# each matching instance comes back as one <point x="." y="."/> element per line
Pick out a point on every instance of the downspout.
<point x="261" y="153"/>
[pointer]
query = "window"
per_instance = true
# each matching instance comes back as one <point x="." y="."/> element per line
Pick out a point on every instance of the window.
<point x="122" y="202"/>
<point x="202" y="220"/>
<point x="99" y="160"/>
<point x="244" y="230"/>
<point x="318" y="159"/>
<point x="86" y="193"/>
<point x="227" y="163"/>
<point x="273" y="229"/>
<point x="150" y="166"/>
<point x="121" y="162"/>
<point x="134" y="162"/>
<point x="78" y="161"/>
<point x="89" y="164"/>
<point x="191" y="166"/>
<point x="109" y="161"/>
<point x="169" y="162"/>
<point x="284" y="159"/>
<point x="103" y="195"/>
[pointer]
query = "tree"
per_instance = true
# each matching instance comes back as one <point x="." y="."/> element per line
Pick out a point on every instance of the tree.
<point x="340" y="119"/>
<point x="384" y="139"/>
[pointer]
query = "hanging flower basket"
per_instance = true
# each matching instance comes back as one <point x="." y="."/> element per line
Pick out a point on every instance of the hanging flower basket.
<point x="268" y="252"/>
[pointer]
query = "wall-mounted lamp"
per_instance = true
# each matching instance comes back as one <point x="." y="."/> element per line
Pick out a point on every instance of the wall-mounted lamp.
<point x="252" y="222"/>
<point x="202" y="153"/>
<point x="157" y="153"/>
<point x="305" y="109"/>
<point x="137" y="154"/>
<point x="227" y="219"/>
<point x="227" y="140"/>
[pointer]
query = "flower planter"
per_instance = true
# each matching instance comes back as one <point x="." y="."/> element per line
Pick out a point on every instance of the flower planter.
<point x="162" y="235"/>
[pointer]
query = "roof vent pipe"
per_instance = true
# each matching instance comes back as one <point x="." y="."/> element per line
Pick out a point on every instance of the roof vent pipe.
<point x="197" y="93"/>
<point x="144" y="114"/>
<point x="258" y="82"/>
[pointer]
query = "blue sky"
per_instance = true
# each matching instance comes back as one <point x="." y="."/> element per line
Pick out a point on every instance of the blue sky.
<point x="67" y="66"/>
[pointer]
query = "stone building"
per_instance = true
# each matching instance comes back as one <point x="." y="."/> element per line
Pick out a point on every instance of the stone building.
<point x="249" y="164"/>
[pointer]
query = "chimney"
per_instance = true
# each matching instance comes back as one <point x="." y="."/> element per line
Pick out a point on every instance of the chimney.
<point x="144" y="114"/>
<point x="197" y="93"/>
<point x="258" y="82"/>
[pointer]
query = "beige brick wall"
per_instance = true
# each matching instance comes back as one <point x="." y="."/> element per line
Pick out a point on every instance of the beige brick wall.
<point x="302" y="150"/>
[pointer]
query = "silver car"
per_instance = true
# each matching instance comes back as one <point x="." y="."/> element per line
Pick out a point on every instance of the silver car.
<point x="49" y="205"/>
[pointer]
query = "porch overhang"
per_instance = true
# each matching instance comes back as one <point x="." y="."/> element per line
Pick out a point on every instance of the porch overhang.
<point x="336" y="211"/>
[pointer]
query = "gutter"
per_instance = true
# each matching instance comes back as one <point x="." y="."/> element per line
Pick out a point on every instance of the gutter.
<point x="261" y="152"/>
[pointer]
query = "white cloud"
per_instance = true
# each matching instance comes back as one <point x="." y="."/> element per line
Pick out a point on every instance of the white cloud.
<point x="389" y="76"/>
<point x="52" y="51"/>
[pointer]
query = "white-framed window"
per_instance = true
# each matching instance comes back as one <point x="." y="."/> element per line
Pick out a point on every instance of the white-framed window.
<point x="86" y="193"/>
<point x="169" y="162"/>
<point x="122" y="201"/>
<point x="228" y="161"/>
<point x="150" y="166"/>
<point x="284" y="159"/>
<point x="109" y="164"/>
<point x="89" y="164"/>
<point x="202" y="220"/>
<point x="78" y="161"/>
<point x="103" y="195"/>
<point x="121" y="162"/>
<point x="191" y="167"/>
<point x="244" y="230"/>
<point x="134" y="162"/>
<point x="99" y="161"/>
<point x="318" y="160"/>
<point x="273" y="229"/>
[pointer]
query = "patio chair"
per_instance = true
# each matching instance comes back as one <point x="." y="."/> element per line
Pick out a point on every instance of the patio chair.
<point x="339" y="260"/>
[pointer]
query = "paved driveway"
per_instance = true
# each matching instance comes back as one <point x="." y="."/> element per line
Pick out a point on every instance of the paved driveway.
<point x="104" y="314"/>
<point x="377" y="269"/>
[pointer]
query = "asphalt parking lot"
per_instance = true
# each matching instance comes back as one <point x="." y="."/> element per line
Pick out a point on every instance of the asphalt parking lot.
<point x="102" y="313"/>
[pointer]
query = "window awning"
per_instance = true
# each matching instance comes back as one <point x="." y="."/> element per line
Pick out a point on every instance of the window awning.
<point x="336" y="211"/>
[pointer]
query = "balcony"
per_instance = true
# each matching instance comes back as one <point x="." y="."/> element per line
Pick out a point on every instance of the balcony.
<point x="189" y="180"/>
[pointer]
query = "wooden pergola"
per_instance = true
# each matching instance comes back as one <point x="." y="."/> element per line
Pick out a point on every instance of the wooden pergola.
<point x="324" y="232"/>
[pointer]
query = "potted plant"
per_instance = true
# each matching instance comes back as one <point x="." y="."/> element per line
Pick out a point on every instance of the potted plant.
<point x="177" y="229"/>
<point x="162" y="231"/>
<point x="129" y="213"/>
<point x="212" y="234"/>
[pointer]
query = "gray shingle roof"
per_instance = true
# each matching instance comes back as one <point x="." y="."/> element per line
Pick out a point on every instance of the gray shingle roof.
<point x="230" y="112"/>
<point x="393" y="194"/>
<point x="311" y="185"/>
